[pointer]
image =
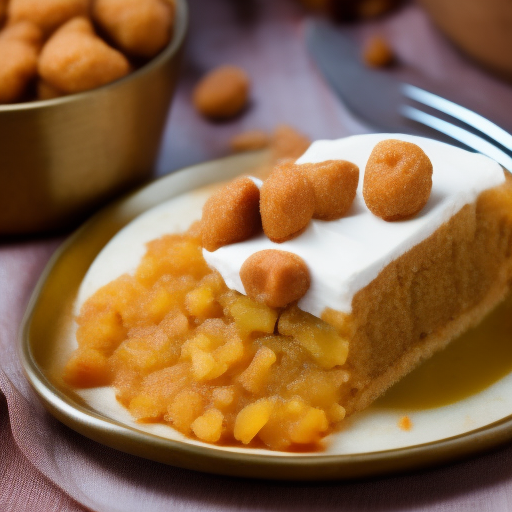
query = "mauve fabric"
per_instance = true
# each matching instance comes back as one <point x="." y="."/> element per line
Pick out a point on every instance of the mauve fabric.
<point x="44" y="466"/>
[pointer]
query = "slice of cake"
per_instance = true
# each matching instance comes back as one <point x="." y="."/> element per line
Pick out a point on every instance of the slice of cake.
<point x="400" y="291"/>
<point x="303" y="298"/>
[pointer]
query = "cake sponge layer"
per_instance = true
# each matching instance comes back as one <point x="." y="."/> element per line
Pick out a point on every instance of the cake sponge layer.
<point x="429" y="295"/>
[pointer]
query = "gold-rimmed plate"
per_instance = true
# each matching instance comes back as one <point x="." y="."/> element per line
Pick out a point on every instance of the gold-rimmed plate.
<point x="452" y="417"/>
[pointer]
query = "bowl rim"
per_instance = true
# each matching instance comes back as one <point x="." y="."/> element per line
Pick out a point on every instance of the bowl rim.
<point x="179" y="32"/>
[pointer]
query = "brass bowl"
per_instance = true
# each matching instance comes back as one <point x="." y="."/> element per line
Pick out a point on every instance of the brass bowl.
<point x="62" y="158"/>
<point x="481" y="28"/>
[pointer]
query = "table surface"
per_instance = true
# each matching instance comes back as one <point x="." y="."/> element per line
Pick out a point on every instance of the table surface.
<point x="44" y="466"/>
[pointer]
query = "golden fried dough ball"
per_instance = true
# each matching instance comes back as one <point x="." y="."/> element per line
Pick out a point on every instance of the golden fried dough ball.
<point x="45" y="91"/>
<point x="47" y="14"/>
<point x="138" y="27"/>
<point x="24" y="31"/>
<point x="287" y="203"/>
<point x="19" y="47"/>
<point x="3" y="11"/>
<point x="288" y="143"/>
<point x="231" y="214"/>
<point x="222" y="93"/>
<point x="377" y="53"/>
<point x="275" y="278"/>
<point x="397" y="180"/>
<point x="335" y="184"/>
<point x="75" y="59"/>
<point x="251" y="140"/>
<point x="18" y="66"/>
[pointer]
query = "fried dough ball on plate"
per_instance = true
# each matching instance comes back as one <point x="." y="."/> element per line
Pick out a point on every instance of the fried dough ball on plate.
<point x="47" y="14"/>
<point x="139" y="27"/>
<point x="75" y="59"/>
<point x="398" y="180"/>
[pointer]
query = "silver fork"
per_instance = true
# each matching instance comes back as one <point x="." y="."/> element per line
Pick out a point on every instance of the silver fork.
<point x="463" y="114"/>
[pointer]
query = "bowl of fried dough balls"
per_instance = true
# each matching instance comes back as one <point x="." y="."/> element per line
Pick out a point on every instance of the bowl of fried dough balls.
<point x="85" y="89"/>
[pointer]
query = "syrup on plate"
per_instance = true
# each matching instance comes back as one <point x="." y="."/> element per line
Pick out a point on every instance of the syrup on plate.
<point x="471" y="363"/>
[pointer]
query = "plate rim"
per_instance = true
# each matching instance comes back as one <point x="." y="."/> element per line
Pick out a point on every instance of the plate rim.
<point x="128" y="439"/>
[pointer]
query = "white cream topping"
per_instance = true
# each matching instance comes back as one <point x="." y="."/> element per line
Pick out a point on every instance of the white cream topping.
<point x="345" y="255"/>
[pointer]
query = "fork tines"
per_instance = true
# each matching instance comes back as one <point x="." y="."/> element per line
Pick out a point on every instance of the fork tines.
<point x="463" y="114"/>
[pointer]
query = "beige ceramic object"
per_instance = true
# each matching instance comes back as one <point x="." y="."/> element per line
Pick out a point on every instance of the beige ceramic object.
<point x="481" y="28"/>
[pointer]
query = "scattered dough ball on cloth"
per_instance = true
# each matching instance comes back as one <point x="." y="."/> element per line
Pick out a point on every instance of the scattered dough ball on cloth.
<point x="222" y="93"/>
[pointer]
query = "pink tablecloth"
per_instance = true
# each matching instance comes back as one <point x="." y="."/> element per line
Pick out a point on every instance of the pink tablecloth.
<point x="45" y="466"/>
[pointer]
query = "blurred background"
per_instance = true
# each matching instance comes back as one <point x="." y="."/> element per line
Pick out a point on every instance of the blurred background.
<point x="267" y="38"/>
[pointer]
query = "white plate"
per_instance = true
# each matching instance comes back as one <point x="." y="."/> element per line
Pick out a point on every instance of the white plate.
<point x="370" y="443"/>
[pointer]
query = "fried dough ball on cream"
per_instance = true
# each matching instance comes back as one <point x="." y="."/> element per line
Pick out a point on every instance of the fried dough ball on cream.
<point x="48" y="15"/>
<point x="19" y="48"/>
<point x="75" y="59"/>
<point x="139" y="27"/>
<point x="335" y="184"/>
<point x="275" y="278"/>
<point x="398" y="180"/>
<point x="231" y="214"/>
<point x="287" y="203"/>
